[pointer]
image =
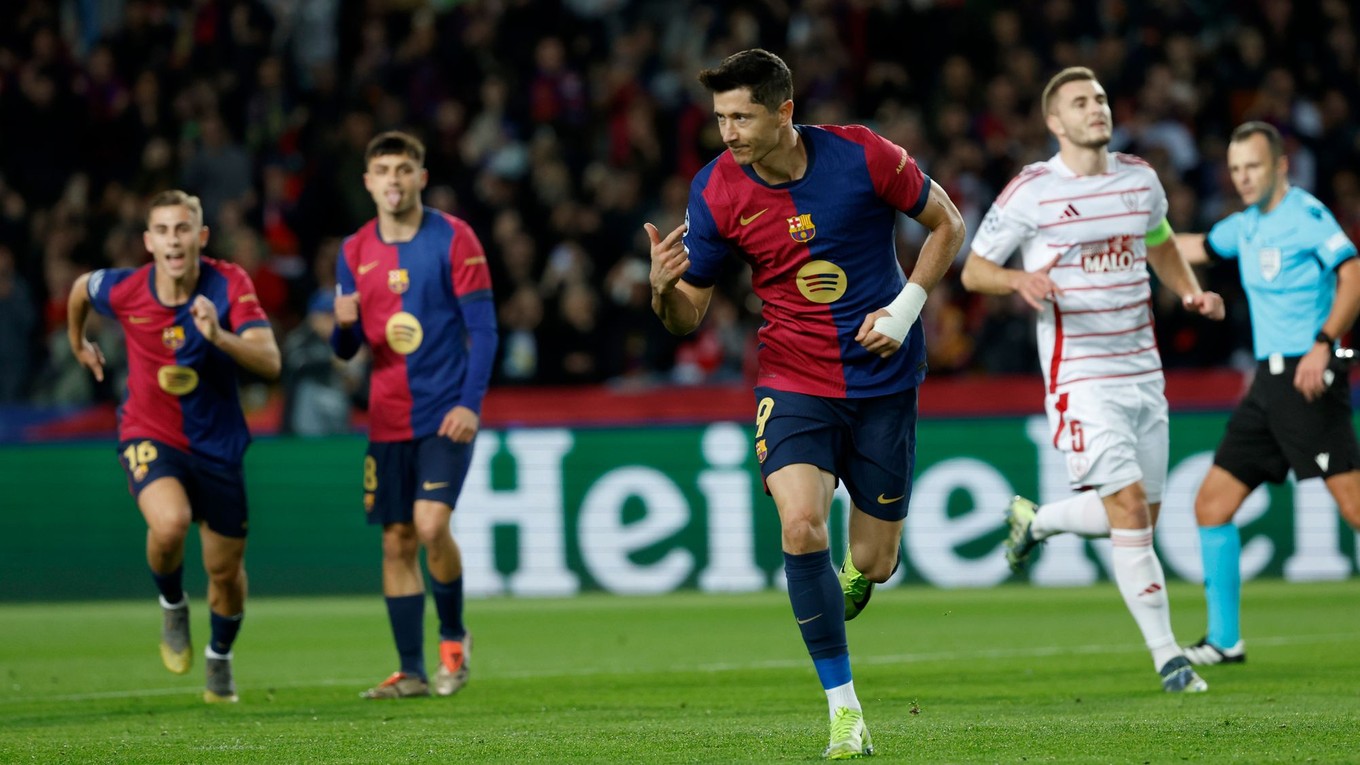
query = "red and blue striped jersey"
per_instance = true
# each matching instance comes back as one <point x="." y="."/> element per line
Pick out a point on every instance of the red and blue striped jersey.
<point x="181" y="390"/>
<point x="421" y="304"/>
<point x="822" y="256"/>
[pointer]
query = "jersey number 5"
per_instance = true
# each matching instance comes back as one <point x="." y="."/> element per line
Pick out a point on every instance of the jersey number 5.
<point x="1078" y="436"/>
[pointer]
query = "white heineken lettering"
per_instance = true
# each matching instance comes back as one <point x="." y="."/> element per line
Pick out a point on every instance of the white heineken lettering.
<point x="1317" y="552"/>
<point x="933" y="538"/>
<point x="731" y="524"/>
<point x="535" y="509"/>
<point x="608" y="543"/>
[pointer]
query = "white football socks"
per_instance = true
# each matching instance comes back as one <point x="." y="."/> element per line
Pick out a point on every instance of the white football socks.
<point x="1083" y="514"/>
<point x="842" y="696"/>
<point x="1138" y="572"/>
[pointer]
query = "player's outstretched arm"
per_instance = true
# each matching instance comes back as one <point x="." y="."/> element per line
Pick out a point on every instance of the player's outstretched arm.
<point x="254" y="349"/>
<point x="1173" y="271"/>
<point x="680" y="306"/>
<point x="983" y="276"/>
<point x="1192" y="247"/>
<point x="77" y="311"/>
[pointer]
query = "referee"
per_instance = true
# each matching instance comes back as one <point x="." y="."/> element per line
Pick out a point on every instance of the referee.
<point x="1302" y="281"/>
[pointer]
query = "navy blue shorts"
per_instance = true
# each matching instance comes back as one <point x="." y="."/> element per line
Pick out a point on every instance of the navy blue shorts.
<point x="397" y="473"/>
<point x="217" y="493"/>
<point x="869" y="443"/>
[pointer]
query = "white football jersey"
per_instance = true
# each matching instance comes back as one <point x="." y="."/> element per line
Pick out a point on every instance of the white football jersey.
<point x="1092" y="230"/>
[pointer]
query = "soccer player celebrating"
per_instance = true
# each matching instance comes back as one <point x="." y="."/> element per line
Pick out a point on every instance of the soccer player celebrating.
<point x="1088" y="224"/>
<point x="812" y="209"/>
<point x="190" y="321"/>
<point x="414" y="285"/>
<point x="1302" y="281"/>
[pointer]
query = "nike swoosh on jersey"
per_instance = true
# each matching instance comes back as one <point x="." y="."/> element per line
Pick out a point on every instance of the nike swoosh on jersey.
<point x="882" y="500"/>
<point x="431" y="486"/>
<point x="744" y="220"/>
<point x="366" y="267"/>
<point x="810" y="618"/>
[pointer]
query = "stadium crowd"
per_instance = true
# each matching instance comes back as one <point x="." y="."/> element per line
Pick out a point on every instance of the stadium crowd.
<point x="557" y="127"/>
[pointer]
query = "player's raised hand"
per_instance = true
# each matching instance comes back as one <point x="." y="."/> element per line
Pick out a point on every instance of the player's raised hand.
<point x="90" y="357"/>
<point x="346" y="309"/>
<point x="669" y="259"/>
<point x="1208" y="304"/>
<point x="460" y="425"/>
<point x="875" y="342"/>
<point x="1037" y="286"/>
<point x="205" y="318"/>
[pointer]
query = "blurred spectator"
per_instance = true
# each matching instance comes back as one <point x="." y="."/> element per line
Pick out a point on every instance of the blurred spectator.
<point x="318" y="388"/>
<point x="217" y="169"/>
<point x="18" y="323"/>
<point x="557" y="128"/>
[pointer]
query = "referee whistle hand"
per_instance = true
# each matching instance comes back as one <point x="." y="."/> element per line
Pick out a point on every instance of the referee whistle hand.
<point x="669" y="258"/>
<point x="1309" y="377"/>
<point x="1209" y="304"/>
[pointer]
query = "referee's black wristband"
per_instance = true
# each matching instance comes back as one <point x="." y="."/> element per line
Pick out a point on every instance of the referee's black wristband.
<point x="1322" y="337"/>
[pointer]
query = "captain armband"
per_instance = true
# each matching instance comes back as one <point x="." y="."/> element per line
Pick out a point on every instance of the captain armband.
<point x="903" y="309"/>
<point x="1160" y="234"/>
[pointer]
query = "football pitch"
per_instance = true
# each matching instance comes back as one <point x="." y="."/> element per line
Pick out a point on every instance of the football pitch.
<point x="1012" y="674"/>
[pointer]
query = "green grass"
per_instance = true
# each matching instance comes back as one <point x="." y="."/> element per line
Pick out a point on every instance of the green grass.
<point x="1014" y="674"/>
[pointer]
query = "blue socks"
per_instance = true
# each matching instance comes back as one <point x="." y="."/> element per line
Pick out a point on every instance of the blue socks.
<point x="224" y="629"/>
<point x="407" y="615"/>
<point x="1221" y="548"/>
<point x="819" y="608"/>
<point x="171" y="585"/>
<point x="448" y="603"/>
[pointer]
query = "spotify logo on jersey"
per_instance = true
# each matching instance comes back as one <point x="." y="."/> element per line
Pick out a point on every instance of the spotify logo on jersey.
<point x="404" y="333"/>
<point x="821" y="281"/>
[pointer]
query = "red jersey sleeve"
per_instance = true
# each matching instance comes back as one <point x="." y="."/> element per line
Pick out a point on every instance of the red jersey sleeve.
<point x="897" y="179"/>
<point x="245" y="311"/>
<point x="471" y="274"/>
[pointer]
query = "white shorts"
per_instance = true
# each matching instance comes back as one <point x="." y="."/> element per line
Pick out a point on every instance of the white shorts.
<point x="1112" y="435"/>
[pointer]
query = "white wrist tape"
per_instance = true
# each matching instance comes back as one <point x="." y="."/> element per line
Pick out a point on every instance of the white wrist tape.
<point x="904" y="309"/>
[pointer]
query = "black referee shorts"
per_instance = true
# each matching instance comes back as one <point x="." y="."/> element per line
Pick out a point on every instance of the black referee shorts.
<point x="1275" y="429"/>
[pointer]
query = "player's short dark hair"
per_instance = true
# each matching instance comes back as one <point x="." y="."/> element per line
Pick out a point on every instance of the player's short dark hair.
<point x="1070" y="74"/>
<point x="395" y="142"/>
<point x="1256" y="127"/>
<point x="175" y="198"/>
<point x="765" y="74"/>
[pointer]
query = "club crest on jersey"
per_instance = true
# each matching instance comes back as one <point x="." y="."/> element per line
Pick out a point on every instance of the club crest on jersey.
<point x="822" y="281"/>
<point x="398" y="280"/>
<point x="173" y="337"/>
<point x="1113" y="254"/>
<point x="801" y="227"/>
<point x="1130" y="200"/>
<point x="1270" y="259"/>
<point x="761" y="451"/>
